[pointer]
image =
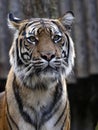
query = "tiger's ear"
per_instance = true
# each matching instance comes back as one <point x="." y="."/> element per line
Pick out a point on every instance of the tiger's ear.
<point x="13" y="22"/>
<point x="67" y="20"/>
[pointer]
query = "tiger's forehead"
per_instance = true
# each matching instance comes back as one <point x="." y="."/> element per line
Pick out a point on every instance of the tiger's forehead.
<point x="34" y="26"/>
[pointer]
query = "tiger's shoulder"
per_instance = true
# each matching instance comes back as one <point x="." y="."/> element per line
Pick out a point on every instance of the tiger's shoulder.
<point x="3" y="104"/>
<point x="4" y="124"/>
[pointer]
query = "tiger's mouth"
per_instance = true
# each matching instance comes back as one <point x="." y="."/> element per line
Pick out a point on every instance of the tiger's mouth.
<point x="53" y="65"/>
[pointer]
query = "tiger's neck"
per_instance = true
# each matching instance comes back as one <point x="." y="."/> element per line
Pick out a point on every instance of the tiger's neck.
<point x="34" y="107"/>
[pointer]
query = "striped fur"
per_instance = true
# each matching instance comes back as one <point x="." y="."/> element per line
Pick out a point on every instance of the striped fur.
<point x="41" y="57"/>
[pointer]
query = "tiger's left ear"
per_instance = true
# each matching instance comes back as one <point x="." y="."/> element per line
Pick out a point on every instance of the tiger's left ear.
<point x="67" y="20"/>
<point x="13" y="22"/>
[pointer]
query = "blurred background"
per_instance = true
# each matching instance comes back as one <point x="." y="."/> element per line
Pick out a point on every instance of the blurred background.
<point x="83" y="81"/>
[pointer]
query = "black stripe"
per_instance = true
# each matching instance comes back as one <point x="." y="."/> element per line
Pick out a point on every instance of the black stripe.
<point x="64" y="123"/>
<point x="67" y="56"/>
<point x="62" y="114"/>
<point x="23" y="30"/>
<point x="33" y="22"/>
<point x="30" y="24"/>
<point x="24" y="114"/>
<point x="8" y="122"/>
<point x="55" y="105"/>
<point x="24" y="53"/>
<point x="19" y="62"/>
<point x="11" y="117"/>
<point x="66" y="117"/>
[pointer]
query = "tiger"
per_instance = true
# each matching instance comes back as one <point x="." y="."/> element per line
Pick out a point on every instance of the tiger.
<point x="41" y="56"/>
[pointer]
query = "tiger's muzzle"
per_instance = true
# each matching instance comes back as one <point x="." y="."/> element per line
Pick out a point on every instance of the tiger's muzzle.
<point x="47" y="55"/>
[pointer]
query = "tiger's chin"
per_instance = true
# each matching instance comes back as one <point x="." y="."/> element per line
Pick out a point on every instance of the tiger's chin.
<point x="46" y="70"/>
<point x="42" y="78"/>
<point x="50" y="73"/>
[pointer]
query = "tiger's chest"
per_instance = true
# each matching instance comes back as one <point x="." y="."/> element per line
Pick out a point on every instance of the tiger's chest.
<point x="37" y="110"/>
<point x="44" y="113"/>
<point x="43" y="116"/>
<point x="49" y="125"/>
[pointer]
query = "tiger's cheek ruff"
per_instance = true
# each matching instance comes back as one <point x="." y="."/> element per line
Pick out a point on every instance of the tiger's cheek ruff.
<point x="69" y="58"/>
<point x="19" y="61"/>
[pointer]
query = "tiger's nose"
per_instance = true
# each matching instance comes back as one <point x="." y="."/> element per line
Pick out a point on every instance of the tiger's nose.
<point x="47" y="55"/>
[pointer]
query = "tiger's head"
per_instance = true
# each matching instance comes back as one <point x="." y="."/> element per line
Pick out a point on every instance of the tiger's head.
<point x="42" y="49"/>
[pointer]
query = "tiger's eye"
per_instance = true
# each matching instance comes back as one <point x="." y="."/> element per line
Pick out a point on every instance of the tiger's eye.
<point x="32" y="40"/>
<point x="57" y="38"/>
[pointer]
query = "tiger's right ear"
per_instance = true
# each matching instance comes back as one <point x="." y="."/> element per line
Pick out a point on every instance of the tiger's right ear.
<point x="13" y="22"/>
<point x="67" y="20"/>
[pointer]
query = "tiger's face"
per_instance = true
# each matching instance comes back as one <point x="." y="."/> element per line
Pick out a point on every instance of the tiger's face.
<point x="42" y="49"/>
